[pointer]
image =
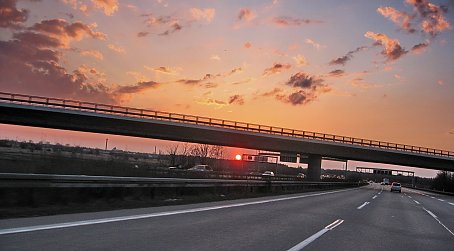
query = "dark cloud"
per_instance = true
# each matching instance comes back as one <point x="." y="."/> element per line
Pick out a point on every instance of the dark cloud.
<point x="303" y="80"/>
<point x="276" y="68"/>
<point x="235" y="70"/>
<point x="173" y="28"/>
<point x="236" y="99"/>
<point x="336" y="73"/>
<point x="143" y="34"/>
<point x="290" y="21"/>
<point x="139" y="87"/>
<point x="419" y="48"/>
<point x="207" y="80"/>
<point x="10" y="16"/>
<point x="62" y="29"/>
<point x="30" y="64"/>
<point x="298" y="98"/>
<point x="308" y="88"/>
<point x="347" y="57"/>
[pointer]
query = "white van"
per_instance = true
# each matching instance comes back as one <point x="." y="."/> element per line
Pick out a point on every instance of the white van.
<point x="201" y="168"/>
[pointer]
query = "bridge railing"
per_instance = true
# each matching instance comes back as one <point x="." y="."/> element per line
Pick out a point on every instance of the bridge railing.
<point x="213" y="122"/>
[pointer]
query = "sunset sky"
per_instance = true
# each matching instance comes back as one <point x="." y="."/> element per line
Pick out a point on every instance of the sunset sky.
<point x="380" y="70"/>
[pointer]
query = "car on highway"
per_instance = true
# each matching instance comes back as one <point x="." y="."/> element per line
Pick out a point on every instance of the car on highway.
<point x="201" y="168"/>
<point x="267" y="175"/>
<point x="396" y="187"/>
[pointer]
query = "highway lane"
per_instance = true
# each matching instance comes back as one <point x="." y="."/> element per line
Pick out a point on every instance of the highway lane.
<point x="389" y="220"/>
<point x="392" y="221"/>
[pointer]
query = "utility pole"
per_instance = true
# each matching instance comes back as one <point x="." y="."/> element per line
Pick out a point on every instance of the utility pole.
<point x="107" y="140"/>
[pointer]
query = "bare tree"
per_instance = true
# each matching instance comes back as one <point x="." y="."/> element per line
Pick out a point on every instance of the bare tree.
<point x="172" y="152"/>
<point x="201" y="151"/>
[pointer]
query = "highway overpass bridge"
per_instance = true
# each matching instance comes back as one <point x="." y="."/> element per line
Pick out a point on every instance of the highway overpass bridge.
<point x="64" y="114"/>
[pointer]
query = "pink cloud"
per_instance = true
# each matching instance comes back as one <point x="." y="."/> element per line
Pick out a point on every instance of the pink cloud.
<point x="247" y="45"/>
<point x="246" y="15"/>
<point x="207" y="14"/>
<point x="402" y="19"/>
<point x="391" y="47"/>
<point x="290" y="21"/>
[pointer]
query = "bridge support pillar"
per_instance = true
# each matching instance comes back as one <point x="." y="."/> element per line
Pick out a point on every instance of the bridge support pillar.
<point x="314" y="167"/>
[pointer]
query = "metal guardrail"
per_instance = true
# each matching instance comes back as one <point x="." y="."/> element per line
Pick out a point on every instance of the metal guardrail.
<point x="220" y="123"/>
<point x="19" y="180"/>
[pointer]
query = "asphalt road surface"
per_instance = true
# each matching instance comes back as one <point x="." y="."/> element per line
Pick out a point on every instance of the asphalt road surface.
<point x="367" y="218"/>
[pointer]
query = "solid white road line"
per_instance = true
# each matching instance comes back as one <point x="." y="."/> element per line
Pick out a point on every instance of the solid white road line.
<point x="416" y="202"/>
<point x="374" y="197"/>
<point x="144" y="216"/>
<point x="436" y="218"/>
<point x="363" y="205"/>
<point x="312" y="238"/>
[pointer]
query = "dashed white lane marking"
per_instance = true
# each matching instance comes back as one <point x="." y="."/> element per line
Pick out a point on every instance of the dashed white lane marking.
<point x="416" y="202"/>
<point x="409" y="196"/>
<point x="315" y="236"/>
<point x="151" y="215"/>
<point x="374" y="197"/>
<point x="363" y="205"/>
<point x="441" y="200"/>
<point x="451" y="203"/>
<point x="432" y="197"/>
<point x="436" y="218"/>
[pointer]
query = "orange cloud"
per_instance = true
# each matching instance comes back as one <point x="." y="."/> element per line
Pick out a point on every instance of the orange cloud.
<point x="64" y="32"/>
<point x="93" y="53"/>
<point x="10" y="16"/>
<point x="207" y="14"/>
<point x="276" y="68"/>
<point x="300" y="60"/>
<point x="391" y="47"/>
<point x="116" y="48"/>
<point x="109" y="7"/>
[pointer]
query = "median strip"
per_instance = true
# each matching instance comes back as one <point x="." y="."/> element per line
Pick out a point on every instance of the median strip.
<point x="315" y="236"/>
